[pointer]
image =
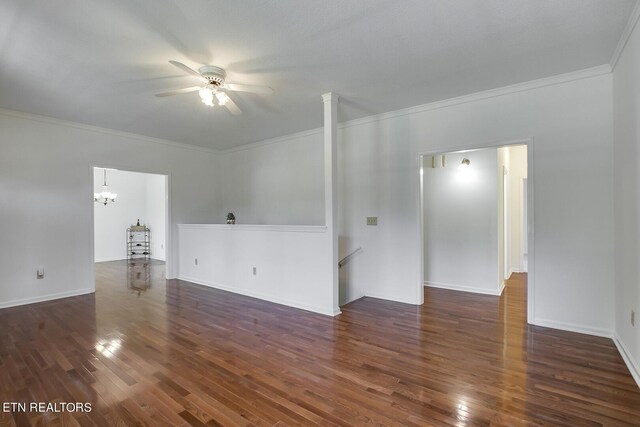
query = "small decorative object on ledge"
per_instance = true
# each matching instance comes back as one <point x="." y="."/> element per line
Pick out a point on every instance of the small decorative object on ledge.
<point x="231" y="218"/>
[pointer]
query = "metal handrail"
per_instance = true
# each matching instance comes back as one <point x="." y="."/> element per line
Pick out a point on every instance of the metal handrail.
<point x="347" y="258"/>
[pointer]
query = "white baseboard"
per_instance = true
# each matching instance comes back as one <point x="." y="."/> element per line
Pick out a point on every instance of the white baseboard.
<point x="390" y="298"/>
<point x="126" y="259"/>
<point x="110" y="259"/>
<point x="43" y="298"/>
<point x="265" y="297"/>
<point x="572" y="327"/>
<point x="634" y="368"/>
<point x="453" y="287"/>
<point x="352" y="300"/>
<point x="511" y="271"/>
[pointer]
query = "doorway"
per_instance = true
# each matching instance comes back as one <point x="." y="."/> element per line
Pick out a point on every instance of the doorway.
<point x="513" y="162"/>
<point x="130" y="223"/>
<point x="476" y="218"/>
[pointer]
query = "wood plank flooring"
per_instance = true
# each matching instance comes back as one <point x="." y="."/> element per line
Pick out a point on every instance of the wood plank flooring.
<point x="179" y="354"/>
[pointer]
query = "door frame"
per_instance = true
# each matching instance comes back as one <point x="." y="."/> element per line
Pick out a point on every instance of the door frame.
<point x="170" y="262"/>
<point x="530" y="143"/>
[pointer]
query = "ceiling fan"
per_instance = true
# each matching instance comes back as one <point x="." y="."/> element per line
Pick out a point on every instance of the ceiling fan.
<point x="214" y="86"/>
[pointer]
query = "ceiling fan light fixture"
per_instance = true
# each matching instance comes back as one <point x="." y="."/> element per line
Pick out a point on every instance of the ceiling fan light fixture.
<point x="206" y="96"/>
<point x="214" y="80"/>
<point x="222" y="98"/>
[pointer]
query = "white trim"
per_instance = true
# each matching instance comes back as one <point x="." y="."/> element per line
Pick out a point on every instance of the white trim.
<point x="420" y="233"/>
<point x="391" y="298"/>
<point x="511" y="271"/>
<point x="171" y="252"/>
<point x="43" y="298"/>
<point x="531" y="233"/>
<point x="125" y="259"/>
<point x="529" y="142"/>
<point x="462" y="288"/>
<point x="269" y="298"/>
<point x="479" y="146"/>
<point x="490" y="93"/>
<point x="330" y="97"/>
<point x="171" y="264"/>
<point x="110" y="259"/>
<point x="477" y="96"/>
<point x="92" y="230"/>
<point x="107" y="131"/>
<point x="250" y="227"/>
<point x="353" y="299"/>
<point x="269" y="141"/>
<point x="634" y="368"/>
<point x="626" y="34"/>
<point x="573" y="327"/>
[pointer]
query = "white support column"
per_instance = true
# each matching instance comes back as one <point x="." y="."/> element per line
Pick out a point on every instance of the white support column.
<point x="330" y="101"/>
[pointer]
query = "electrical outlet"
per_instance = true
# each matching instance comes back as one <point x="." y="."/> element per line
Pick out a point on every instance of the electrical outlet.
<point x="633" y="318"/>
<point x="254" y="271"/>
<point x="372" y="220"/>
<point x="196" y="262"/>
<point x="40" y="273"/>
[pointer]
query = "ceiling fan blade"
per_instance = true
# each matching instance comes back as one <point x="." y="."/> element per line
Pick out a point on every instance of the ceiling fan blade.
<point x="187" y="69"/>
<point x="248" y="88"/>
<point x="232" y="107"/>
<point x="178" y="91"/>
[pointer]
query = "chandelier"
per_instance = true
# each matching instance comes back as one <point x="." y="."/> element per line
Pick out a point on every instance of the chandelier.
<point x="105" y="196"/>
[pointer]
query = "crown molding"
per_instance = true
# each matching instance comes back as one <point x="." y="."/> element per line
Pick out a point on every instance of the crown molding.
<point x="106" y="131"/>
<point x="626" y="34"/>
<point x="275" y="140"/>
<point x="486" y="94"/>
<point x="490" y="93"/>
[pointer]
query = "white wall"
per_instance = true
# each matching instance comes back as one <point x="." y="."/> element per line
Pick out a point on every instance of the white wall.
<point x="460" y="209"/>
<point x="290" y="262"/>
<point x="571" y="126"/>
<point x="568" y="118"/>
<point x="626" y="119"/>
<point x="274" y="183"/>
<point x="155" y="214"/>
<point x="45" y="198"/>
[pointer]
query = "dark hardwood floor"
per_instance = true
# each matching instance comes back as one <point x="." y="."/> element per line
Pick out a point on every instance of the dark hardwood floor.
<point x="181" y="354"/>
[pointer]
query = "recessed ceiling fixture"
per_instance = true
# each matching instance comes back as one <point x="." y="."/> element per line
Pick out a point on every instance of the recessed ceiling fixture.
<point x="105" y="196"/>
<point x="215" y="86"/>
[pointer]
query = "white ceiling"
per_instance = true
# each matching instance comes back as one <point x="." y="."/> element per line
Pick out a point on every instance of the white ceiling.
<point x="101" y="62"/>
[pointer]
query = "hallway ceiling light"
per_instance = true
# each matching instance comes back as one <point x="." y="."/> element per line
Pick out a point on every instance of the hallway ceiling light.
<point x="105" y="196"/>
<point x="464" y="164"/>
